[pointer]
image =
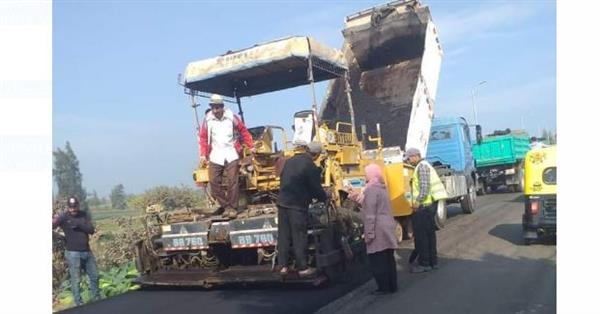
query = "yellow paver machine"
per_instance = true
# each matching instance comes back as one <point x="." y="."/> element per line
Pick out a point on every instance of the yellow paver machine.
<point x="393" y="90"/>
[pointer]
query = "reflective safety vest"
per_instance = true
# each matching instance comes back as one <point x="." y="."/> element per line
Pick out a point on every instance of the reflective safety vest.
<point x="437" y="191"/>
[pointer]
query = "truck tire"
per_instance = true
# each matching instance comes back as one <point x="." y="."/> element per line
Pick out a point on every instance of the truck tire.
<point x="399" y="231"/>
<point x="521" y="185"/>
<point x="441" y="214"/>
<point x="482" y="190"/>
<point x="468" y="201"/>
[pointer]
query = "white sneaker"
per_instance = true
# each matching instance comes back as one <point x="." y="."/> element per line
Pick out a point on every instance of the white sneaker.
<point x="307" y="272"/>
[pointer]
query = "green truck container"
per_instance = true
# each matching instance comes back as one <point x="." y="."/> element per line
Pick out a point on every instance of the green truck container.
<point x="499" y="161"/>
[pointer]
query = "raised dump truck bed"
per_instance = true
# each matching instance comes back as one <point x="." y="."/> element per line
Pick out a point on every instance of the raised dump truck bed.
<point x="394" y="57"/>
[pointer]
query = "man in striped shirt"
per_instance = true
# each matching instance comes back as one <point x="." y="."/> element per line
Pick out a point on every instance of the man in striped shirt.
<point x="424" y="206"/>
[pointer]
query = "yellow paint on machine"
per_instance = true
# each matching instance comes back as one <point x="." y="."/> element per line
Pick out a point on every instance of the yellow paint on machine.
<point x="397" y="176"/>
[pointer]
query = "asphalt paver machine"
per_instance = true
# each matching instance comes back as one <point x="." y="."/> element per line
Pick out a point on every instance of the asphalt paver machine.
<point x="193" y="248"/>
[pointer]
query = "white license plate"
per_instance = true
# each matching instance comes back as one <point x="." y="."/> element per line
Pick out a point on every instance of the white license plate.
<point x="253" y="240"/>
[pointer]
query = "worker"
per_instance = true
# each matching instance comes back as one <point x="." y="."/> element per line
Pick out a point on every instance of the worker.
<point x="300" y="184"/>
<point x="535" y="144"/>
<point x="221" y="149"/>
<point x="77" y="227"/>
<point x="426" y="190"/>
<point x="379" y="229"/>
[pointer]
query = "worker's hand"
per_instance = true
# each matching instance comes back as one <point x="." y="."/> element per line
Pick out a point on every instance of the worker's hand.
<point x="348" y="189"/>
<point x="253" y="150"/>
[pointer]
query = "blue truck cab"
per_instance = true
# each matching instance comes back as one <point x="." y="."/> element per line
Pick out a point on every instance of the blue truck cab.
<point x="450" y="144"/>
<point x="450" y="152"/>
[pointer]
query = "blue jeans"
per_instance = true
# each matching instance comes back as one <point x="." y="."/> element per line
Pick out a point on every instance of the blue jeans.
<point x="82" y="260"/>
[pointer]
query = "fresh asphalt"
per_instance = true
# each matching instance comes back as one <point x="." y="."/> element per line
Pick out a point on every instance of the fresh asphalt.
<point x="484" y="268"/>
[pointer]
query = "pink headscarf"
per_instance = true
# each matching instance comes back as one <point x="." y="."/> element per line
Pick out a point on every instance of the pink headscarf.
<point x="374" y="174"/>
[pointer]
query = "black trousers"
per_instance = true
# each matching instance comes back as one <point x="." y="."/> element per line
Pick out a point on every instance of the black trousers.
<point x="383" y="267"/>
<point x="424" y="232"/>
<point x="292" y="232"/>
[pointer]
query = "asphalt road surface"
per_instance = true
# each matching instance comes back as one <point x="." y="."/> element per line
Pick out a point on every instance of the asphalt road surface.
<point x="484" y="268"/>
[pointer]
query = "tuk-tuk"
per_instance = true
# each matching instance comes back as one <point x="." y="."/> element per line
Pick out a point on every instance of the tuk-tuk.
<point x="539" y="218"/>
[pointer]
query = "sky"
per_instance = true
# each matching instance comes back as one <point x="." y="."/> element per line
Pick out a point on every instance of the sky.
<point x="115" y="65"/>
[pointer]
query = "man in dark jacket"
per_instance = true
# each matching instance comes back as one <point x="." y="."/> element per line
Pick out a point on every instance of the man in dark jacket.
<point x="300" y="184"/>
<point x="77" y="227"/>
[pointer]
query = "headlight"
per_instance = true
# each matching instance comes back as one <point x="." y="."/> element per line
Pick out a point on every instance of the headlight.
<point x="330" y="137"/>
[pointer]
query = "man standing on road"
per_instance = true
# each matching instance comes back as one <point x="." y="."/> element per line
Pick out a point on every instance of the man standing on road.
<point x="221" y="149"/>
<point x="427" y="189"/>
<point x="77" y="227"/>
<point x="300" y="184"/>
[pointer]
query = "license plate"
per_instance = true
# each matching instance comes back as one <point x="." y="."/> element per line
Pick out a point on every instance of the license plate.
<point x="185" y="243"/>
<point x="247" y="240"/>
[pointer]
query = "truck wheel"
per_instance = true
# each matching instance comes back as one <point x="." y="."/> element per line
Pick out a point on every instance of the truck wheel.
<point x="520" y="186"/>
<point x="399" y="231"/>
<point x="441" y="214"/>
<point x="482" y="190"/>
<point x="468" y="201"/>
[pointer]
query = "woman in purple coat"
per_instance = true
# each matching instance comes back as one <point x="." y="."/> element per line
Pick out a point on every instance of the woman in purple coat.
<point x="379" y="231"/>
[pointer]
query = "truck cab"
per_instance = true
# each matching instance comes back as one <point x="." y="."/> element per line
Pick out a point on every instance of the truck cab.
<point x="450" y="153"/>
<point x="450" y="144"/>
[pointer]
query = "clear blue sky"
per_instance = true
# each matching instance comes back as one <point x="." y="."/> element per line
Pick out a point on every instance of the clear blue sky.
<point x="115" y="65"/>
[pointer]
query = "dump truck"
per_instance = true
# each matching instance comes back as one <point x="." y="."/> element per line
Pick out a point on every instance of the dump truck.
<point x="394" y="57"/>
<point x="499" y="160"/>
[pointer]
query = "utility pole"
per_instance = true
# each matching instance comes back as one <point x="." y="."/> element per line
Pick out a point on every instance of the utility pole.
<point x="473" y="99"/>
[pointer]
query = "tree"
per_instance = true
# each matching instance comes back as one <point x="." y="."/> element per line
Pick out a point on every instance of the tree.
<point x="94" y="200"/>
<point x="117" y="197"/>
<point x="67" y="176"/>
<point x="545" y="135"/>
<point x="171" y="198"/>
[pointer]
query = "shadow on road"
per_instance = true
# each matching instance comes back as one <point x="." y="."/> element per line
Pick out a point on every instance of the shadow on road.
<point x="454" y="210"/>
<point x="513" y="233"/>
<point x="519" y="198"/>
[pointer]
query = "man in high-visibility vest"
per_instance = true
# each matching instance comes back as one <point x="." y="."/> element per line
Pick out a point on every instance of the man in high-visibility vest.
<point x="426" y="190"/>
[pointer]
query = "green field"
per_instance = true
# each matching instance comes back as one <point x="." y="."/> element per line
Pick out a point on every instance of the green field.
<point x="104" y="219"/>
<point x="99" y="215"/>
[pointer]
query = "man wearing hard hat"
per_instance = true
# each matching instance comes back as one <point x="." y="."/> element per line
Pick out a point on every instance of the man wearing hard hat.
<point x="220" y="148"/>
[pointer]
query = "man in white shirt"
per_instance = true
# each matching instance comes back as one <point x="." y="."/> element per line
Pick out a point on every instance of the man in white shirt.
<point x="220" y="147"/>
<point x="535" y="144"/>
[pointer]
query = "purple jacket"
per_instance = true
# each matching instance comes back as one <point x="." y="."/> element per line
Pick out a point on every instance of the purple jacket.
<point x="380" y="226"/>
